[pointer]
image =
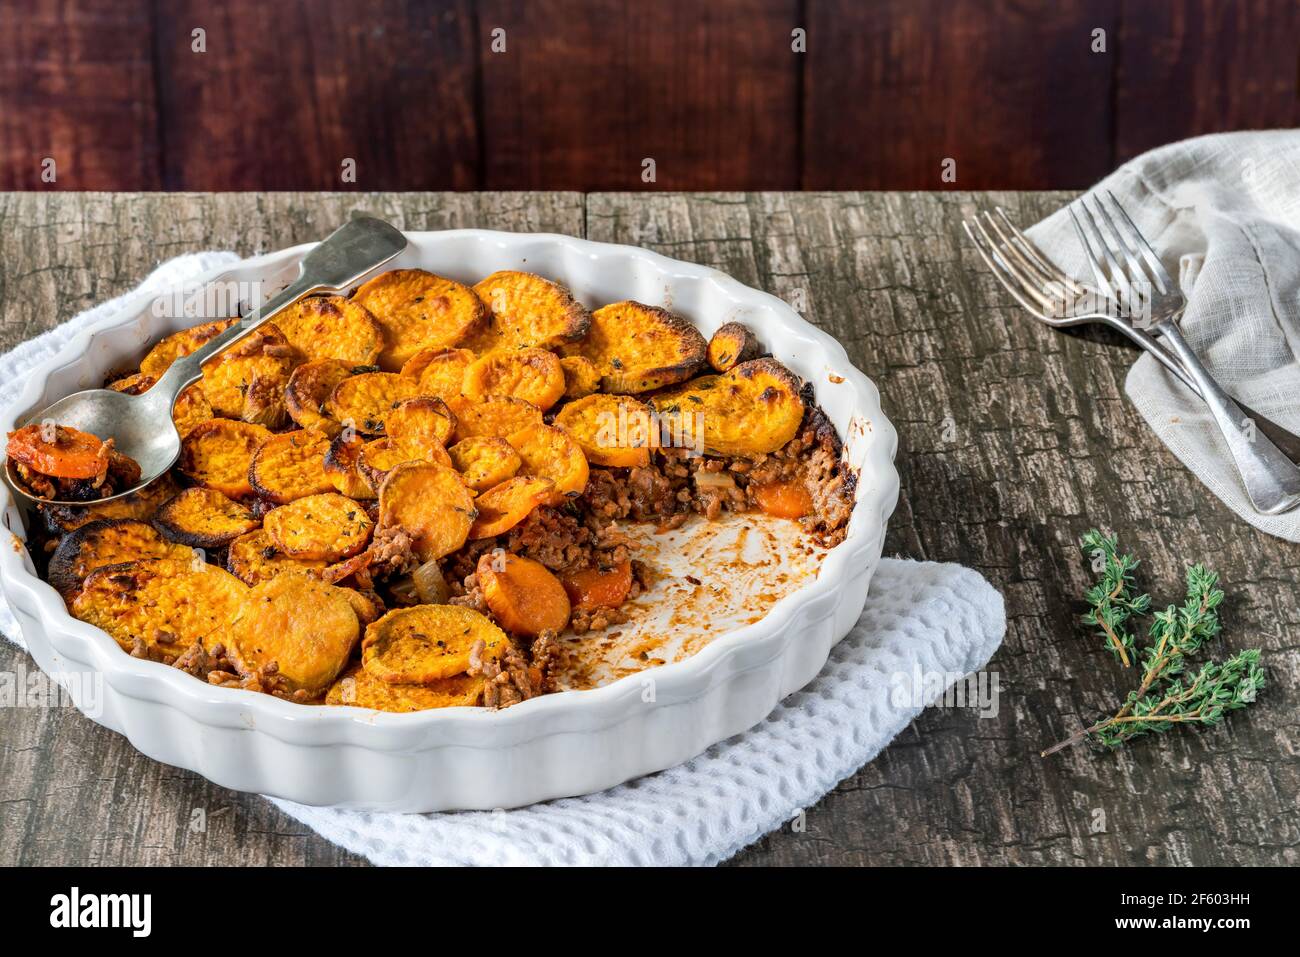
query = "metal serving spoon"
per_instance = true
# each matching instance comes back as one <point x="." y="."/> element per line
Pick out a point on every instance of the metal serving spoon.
<point x="141" y="426"/>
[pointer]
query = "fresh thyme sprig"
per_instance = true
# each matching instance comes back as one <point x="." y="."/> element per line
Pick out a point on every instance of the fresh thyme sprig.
<point x="1169" y="694"/>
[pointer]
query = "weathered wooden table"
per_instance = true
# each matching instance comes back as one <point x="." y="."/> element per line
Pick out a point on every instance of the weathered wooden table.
<point x="1014" y="440"/>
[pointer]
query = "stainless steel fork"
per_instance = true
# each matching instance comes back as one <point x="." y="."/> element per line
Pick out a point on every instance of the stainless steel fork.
<point x="1129" y="272"/>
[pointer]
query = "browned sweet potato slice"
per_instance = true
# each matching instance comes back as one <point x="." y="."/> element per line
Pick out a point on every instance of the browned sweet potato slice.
<point x="484" y="461"/>
<point x="331" y="327"/>
<point x="581" y="377"/>
<point x="522" y="594"/>
<point x="341" y="466"/>
<point x="306" y="628"/>
<point x="637" y="347"/>
<point x="204" y="518"/>
<point x="170" y="348"/>
<point x="527" y="310"/>
<point x="290" y="466"/>
<point x="419" y="310"/>
<point x="367" y="604"/>
<point x="504" y="506"/>
<point x="106" y="542"/>
<point x="247" y="380"/>
<point x="310" y="385"/>
<point x="328" y="526"/>
<point x="613" y="430"/>
<point x="191" y="408"/>
<point x="551" y="453"/>
<point x="141" y="504"/>
<point x="731" y="345"/>
<point x="534" y="375"/>
<point x="364" y="401"/>
<point x="425" y="416"/>
<point x="381" y="456"/>
<point x="497" y="415"/>
<point x="217" y="453"/>
<point x="428" y="643"/>
<point x="137" y="384"/>
<point x="431" y="504"/>
<point x="360" y="689"/>
<point x="254" y="558"/>
<point x="754" y="409"/>
<point x="159" y="607"/>
<point x="440" y="372"/>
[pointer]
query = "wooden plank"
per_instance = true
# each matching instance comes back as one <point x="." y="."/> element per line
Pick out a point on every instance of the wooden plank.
<point x="287" y="92"/>
<point x="584" y="93"/>
<point x="1008" y="90"/>
<point x="76" y="87"/>
<point x="1204" y="66"/>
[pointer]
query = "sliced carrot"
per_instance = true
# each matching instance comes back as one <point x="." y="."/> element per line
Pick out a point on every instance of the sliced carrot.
<point x="523" y="596"/>
<point x="595" y="587"/>
<point x="504" y="506"/>
<point x="788" y="499"/>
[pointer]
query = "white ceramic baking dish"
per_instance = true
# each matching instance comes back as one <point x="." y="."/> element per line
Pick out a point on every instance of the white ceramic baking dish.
<point x="558" y="745"/>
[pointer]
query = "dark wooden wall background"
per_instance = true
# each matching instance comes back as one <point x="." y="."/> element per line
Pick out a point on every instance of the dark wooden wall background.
<point x="410" y="90"/>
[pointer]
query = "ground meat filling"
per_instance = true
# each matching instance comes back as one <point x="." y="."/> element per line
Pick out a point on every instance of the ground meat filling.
<point x="516" y="676"/>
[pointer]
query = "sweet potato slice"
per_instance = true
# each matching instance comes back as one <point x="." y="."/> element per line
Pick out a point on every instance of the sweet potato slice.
<point x="551" y="453"/>
<point x="60" y="451"/>
<point x="191" y="408"/>
<point x="431" y="504"/>
<point x="341" y="466"/>
<point x="204" y="518"/>
<point x="419" y="310"/>
<point x="137" y="384"/>
<point x="527" y="310"/>
<point x="367" y="604"/>
<point x="534" y="375"/>
<point x="497" y="415"/>
<point x="596" y="587"/>
<point x="440" y="372"/>
<point x="360" y="689"/>
<point x="381" y="456"/>
<point x="306" y="628"/>
<point x="581" y="377"/>
<point x="787" y="499"/>
<point x="217" y="453"/>
<point x="247" y="380"/>
<point x="364" y="401"/>
<point x="731" y="345"/>
<point x="170" y="348"/>
<point x="327" y="526"/>
<point x="522" y="594"/>
<point x="159" y="607"/>
<point x="106" y="542"/>
<point x="141" y="504"/>
<point x="310" y="385"/>
<point x="331" y="327"/>
<point x="484" y="461"/>
<point x="504" y="506"/>
<point x="428" y="643"/>
<point x="637" y="347"/>
<point x="290" y="466"/>
<point x="425" y="416"/>
<point x="752" y="410"/>
<point x="613" y="430"/>
<point x="255" y="558"/>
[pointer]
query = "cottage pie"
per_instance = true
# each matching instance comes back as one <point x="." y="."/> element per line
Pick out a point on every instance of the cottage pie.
<point x="414" y="497"/>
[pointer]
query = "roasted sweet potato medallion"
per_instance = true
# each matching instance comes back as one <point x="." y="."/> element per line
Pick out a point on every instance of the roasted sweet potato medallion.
<point x="400" y="500"/>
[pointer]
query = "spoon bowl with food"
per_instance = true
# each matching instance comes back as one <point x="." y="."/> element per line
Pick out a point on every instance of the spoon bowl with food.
<point x="100" y="444"/>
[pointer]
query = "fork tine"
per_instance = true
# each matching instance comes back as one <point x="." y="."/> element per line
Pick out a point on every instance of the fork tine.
<point x="1094" y="260"/>
<point x="1029" y="283"/>
<point x="1008" y="248"/>
<point x="994" y="262"/>
<point x="1122" y="292"/>
<point x="1124" y="247"/>
<point x="1161" y="275"/>
<point x="1045" y="266"/>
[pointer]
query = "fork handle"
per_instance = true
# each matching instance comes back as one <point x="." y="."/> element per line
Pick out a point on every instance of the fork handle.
<point x="1272" y="481"/>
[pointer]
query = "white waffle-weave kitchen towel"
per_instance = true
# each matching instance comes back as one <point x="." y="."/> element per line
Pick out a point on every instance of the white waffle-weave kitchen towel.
<point x="925" y="626"/>
<point x="1223" y="212"/>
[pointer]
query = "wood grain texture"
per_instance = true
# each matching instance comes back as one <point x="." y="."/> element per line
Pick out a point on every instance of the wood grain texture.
<point x="585" y="92"/>
<point x="286" y="92"/>
<point x="1014" y="440"/>
<point x="1010" y="91"/>
<point x="1239" y="60"/>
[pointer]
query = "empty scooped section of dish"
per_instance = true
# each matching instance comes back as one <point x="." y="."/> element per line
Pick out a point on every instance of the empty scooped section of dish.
<point x="710" y="578"/>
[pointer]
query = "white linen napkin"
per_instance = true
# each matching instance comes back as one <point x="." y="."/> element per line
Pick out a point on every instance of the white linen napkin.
<point x="925" y="626"/>
<point x="1223" y="212"/>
